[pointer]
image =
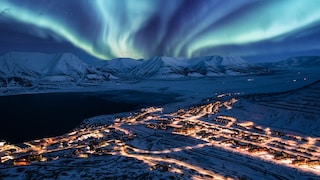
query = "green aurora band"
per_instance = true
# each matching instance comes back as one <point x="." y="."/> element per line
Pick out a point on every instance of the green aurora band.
<point x="179" y="28"/>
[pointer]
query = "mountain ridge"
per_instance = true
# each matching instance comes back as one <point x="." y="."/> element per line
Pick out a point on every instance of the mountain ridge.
<point x="35" y="66"/>
<point x="167" y="67"/>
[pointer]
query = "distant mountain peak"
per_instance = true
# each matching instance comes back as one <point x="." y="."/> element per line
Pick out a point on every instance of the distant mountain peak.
<point x="217" y="60"/>
<point x="299" y="61"/>
<point x="166" y="67"/>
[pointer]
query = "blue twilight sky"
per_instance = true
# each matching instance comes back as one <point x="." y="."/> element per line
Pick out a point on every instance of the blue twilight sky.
<point x="258" y="30"/>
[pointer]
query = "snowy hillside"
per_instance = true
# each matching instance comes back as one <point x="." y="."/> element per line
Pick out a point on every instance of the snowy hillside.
<point x="211" y="140"/>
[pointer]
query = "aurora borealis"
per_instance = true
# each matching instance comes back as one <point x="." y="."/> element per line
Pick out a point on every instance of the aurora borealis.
<point x="109" y="29"/>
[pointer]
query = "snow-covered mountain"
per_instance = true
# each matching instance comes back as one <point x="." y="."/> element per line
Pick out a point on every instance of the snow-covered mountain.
<point x="166" y="67"/>
<point x="37" y="65"/>
<point x="27" y="68"/>
<point x="35" y="68"/>
<point x="296" y="62"/>
<point x="223" y="65"/>
<point x="117" y="67"/>
<point x="161" y="67"/>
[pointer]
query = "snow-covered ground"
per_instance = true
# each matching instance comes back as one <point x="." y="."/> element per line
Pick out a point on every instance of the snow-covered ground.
<point x="210" y="131"/>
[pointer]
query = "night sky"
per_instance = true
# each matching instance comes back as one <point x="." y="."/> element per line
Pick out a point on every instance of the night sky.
<point x="106" y="29"/>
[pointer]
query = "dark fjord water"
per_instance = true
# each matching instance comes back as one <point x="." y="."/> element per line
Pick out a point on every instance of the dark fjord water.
<point x="27" y="117"/>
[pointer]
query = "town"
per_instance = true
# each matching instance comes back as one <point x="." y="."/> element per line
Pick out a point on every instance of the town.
<point x="204" y="123"/>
